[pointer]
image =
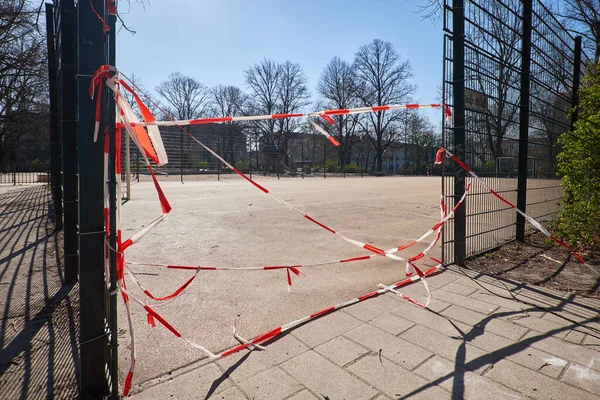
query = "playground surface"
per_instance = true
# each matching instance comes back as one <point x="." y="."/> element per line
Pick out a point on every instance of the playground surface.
<point x="230" y="223"/>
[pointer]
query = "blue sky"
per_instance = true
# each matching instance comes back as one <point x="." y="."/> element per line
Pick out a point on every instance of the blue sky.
<point x="216" y="40"/>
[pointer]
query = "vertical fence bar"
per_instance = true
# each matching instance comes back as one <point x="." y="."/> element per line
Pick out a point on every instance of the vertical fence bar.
<point x="324" y="160"/>
<point x="54" y="140"/>
<point x="302" y="144"/>
<point x="69" y="137"/>
<point x="576" y="80"/>
<point x="458" y="91"/>
<point x="524" y="117"/>
<point x="110" y="45"/>
<point x="181" y="156"/>
<point x="128" y="166"/>
<point x="92" y="287"/>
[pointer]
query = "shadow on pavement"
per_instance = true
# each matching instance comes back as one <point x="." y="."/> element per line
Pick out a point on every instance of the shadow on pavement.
<point x="39" y="354"/>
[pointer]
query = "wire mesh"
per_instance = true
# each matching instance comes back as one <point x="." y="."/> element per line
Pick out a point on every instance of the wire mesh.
<point x="492" y="79"/>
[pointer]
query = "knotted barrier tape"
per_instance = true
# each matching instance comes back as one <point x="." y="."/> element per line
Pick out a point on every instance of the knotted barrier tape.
<point x="146" y="136"/>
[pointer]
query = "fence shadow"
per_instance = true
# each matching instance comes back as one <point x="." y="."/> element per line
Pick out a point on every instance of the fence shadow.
<point x="578" y="315"/>
<point x="39" y="355"/>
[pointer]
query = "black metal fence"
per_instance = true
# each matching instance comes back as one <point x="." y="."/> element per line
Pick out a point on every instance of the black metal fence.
<point x="17" y="176"/>
<point x="305" y="155"/>
<point x="510" y="71"/>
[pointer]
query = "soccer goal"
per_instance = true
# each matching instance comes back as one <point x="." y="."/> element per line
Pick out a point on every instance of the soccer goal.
<point x="508" y="167"/>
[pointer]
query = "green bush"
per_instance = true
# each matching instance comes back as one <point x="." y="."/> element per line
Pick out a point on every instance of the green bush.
<point x="331" y="166"/>
<point x="488" y="167"/>
<point x="579" y="166"/>
<point x="239" y="164"/>
<point x="352" y="168"/>
<point x="317" y="168"/>
<point x="202" y="164"/>
<point x="38" y="165"/>
<point x="307" y="169"/>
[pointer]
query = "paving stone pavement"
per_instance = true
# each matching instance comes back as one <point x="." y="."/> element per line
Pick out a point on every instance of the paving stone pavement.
<point x="482" y="338"/>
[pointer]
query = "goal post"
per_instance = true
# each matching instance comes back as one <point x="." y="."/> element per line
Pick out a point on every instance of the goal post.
<point x="508" y="166"/>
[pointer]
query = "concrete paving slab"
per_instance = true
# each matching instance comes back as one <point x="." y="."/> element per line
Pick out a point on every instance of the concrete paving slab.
<point x="466" y="302"/>
<point x="202" y="383"/>
<point x="530" y="357"/>
<point x="534" y="384"/>
<point x="391" y="323"/>
<point x="492" y="323"/>
<point x="432" y="320"/>
<point x="367" y="310"/>
<point x="341" y="350"/>
<point x="463" y="384"/>
<point x="323" y="329"/>
<point x="244" y="365"/>
<point x="325" y="378"/>
<point x="455" y="287"/>
<point x="565" y="350"/>
<point x="273" y="384"/>
<point x="582" y="377"/>
<point x="394" y="348"/>
<point x="394" y="380"/>
<point x="592" y="342"/>
<point x="303" y="395"/>
<point x="231" y="394"/>
<point x="451" y="348"/>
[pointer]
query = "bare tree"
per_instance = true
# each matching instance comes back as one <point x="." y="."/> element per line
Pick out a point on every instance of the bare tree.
<point x="293" y="97"/>
<point x="186" y="97"/>
<point x="229" y="101"/>
<point x="263" y="81"/>
<point x="23" y="75"/>
<point x="276" y="88"/>
<point x="583" y="18"/>
<point x="382" y="79"/>
<point x="337" y="88"/>
<point x="492" y="74"/>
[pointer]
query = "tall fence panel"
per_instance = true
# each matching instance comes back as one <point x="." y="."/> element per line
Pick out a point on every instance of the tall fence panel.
<point x="499" y="67"/>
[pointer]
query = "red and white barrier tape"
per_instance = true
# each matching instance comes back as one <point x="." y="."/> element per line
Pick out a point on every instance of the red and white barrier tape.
<point x="291" y="325"/>
<point x="129" y="125"/>
<point x="255" y="343"/>
<point x="529" y="219"/>
<point x="147" y="137"/>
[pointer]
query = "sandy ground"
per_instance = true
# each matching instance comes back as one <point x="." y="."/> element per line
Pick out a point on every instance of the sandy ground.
<point x="230" y="223"/>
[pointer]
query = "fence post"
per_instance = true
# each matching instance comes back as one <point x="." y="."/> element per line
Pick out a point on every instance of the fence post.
<point x="324" y="160"/>
<point x="302" y="144"/>
<point x="54" y="141"/>
<point x="93" y="303"/>
<point x="524" y="117"/>
<point x="110" y="45"/>
<point x="68" y="127"/>
<point x="181" y="156"/>
<point x="458" y="90"/>
<point x="576" y="80"/>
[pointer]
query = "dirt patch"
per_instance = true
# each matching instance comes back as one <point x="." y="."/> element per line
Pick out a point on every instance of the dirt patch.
<point x="540" y="262"/>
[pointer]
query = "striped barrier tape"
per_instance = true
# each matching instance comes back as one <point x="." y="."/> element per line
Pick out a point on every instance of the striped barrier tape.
<point x="532" y="221"/>
<point x="150" y="144"/>
<point x="255" y="342"/>
<point x="147" y="137"/>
